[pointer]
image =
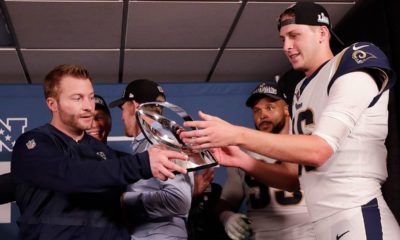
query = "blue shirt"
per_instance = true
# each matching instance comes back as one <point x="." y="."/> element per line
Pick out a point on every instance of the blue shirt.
<point x="158" y="209"/>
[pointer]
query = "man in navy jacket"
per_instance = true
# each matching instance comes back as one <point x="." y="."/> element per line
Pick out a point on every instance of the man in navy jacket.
<point x="69" y="184"/>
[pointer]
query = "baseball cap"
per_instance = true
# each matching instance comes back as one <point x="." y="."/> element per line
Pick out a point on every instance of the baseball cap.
<point x="100" y="103"/>
<point x="140" y="90"/>
<point x="308" y="13"/>
<point x="265" y="89"/>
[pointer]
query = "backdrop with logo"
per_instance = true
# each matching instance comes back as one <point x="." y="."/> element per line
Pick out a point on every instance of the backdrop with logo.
<point x="23" y="108"/>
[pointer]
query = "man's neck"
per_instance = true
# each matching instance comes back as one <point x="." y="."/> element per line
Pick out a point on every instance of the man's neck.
<point x="326" y="55"/>
<point x="75" y="135"/>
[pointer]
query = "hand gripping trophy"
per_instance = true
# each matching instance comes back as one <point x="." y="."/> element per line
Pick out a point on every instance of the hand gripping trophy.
<point x="163" y="129"/>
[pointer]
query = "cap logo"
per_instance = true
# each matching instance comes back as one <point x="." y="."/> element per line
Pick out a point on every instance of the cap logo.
<point x="98" y="101"/>
<point x="291" y="5"/>
<point x="266" y="90"/>
<point x="160" y="89"/>
<point x="323" y="19"/>
<point x="131" y="95"/>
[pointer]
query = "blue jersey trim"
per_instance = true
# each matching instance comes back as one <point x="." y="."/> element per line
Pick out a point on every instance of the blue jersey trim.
<point x="364" y="56"/>
<point x="372" y="220"/>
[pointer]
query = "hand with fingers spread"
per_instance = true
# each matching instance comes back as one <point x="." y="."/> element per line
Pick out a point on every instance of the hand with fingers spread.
<point x="211" y="132"/>
<point x="161" y="163"/>
<point x="202" y="180"/>
<point x="237" y="225"/>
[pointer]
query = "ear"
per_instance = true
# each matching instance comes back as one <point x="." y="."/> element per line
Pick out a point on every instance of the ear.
<point x="286" y="110"/>
<point x="324" y="33"/>
<point x="52" y="104"/>
<point x="285" y="107"/>
<point x="135" y="104"/>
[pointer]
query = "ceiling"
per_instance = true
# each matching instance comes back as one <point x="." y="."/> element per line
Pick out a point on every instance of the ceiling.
<point x="166" y="41"/>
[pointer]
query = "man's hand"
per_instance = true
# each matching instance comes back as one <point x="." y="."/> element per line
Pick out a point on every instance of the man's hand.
<point x="212" y="132"/>
<point x="232" y="156"/>
<point x="161" y="163"/>
<point x="202" y="180"/>
<point x="237" y="225"/>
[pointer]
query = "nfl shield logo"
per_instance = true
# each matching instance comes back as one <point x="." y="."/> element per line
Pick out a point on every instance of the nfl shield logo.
<point x="31" y="144"/>
<point x="102" y="155"/>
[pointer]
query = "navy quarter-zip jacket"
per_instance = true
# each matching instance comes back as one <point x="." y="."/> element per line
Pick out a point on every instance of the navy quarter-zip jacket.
<point x="69" y="189"/>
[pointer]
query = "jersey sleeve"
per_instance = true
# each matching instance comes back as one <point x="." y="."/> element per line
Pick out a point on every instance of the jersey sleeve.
<point x="345" y="106"/>
<point x="173" y="199"/>
<point x="365" y="56"/>
<point x="38" y="160"/>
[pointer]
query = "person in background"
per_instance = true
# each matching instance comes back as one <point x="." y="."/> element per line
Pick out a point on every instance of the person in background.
<point x="68" y="183"/>
<point x="102" y="122"/>
<point x="203" y="222"/>
<point x="339" y="126"/>
<point x="154" y="209"/>
<point x="7" y="188"/>
<point x="271" y="213"/>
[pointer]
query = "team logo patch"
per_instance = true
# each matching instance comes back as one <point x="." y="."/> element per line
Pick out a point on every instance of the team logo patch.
<point x="102" y="155"/>
<point x="341" y="235"/>
<point x="355" y="48"/>
<point x="361" y="56"/>
<point x="298" y="105"/>
<point x="297" y="94"/>
<point x="31" y="144"/>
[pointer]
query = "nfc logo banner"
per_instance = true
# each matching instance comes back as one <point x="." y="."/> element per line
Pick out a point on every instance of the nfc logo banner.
<point x="10" y="131"/>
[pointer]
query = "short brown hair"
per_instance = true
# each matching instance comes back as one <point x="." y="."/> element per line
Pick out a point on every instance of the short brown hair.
<point x="53" y="78"/>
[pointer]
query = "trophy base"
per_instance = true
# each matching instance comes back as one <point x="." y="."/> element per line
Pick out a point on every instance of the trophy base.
<point x="192" y="166"/>
<point x="197" y="161"/>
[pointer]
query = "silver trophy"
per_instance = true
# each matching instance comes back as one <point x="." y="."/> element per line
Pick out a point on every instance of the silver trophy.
<point x="161" y="123"/>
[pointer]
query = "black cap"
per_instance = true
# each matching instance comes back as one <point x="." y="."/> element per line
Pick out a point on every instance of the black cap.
<point x="101" y="104"/>
<point x="265" y="89"/>
<point x="140" y="90"/>
<point x="308" y="13"/>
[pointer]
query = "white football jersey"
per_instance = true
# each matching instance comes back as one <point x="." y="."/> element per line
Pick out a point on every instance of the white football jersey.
<point x="269" y="209"/>
<point x="353" y="175"/>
